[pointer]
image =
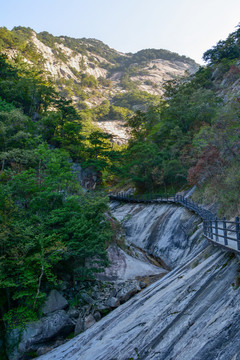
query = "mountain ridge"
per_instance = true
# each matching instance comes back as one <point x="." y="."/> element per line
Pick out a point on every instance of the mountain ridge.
<point x="96" y="76"/>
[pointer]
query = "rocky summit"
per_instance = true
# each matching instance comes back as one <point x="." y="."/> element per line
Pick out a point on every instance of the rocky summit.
<point x="97" y="77"/>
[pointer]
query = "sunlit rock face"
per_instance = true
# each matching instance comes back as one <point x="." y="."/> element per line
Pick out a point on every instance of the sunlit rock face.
<point x="124" y="267"/>
<point x="191" y="313"/>
<point x="161" y="230"/>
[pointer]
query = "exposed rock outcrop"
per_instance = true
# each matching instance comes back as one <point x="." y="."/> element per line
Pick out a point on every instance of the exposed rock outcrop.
<point x="126" y="276"/>
<point x="55" y="301"/>
<point x="124" y="266"/>
<point x="162" y="231"/>
<point x="69" y="60"/>
<point x="22" y="342"/>
<point x="192" y="313"/>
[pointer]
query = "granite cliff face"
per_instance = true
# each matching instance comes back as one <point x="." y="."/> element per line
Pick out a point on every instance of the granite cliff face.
<point x="149" y="68"/>
<point x="191" y="313"/>
<point x="92" y="74"/>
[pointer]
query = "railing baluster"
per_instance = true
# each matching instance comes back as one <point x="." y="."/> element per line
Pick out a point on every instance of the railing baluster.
<point x="211" y="229"/>
<point x="204" y="227"/>
<point x="238" y="233"/>
<point x="216" y="229"/>
<point x="207" y="227"/>
<point x="225" y="231"/>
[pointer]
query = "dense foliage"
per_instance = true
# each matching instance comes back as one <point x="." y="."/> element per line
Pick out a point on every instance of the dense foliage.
<point x="143" y="56"/>
<point x="193" y="136"/>
<point x="228" y="49"/>
<point x="47" y="222"/>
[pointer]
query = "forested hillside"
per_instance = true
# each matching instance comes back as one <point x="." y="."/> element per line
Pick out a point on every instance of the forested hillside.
<point x="105" y="85"/>
<point x="193" y="136"/>
<point x="49" y="224"/>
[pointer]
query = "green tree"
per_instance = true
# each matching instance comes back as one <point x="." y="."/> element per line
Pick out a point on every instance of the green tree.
<point x="46" y="220"/>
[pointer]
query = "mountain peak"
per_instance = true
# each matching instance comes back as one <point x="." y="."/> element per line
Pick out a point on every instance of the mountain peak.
<point x="91" y="73"/>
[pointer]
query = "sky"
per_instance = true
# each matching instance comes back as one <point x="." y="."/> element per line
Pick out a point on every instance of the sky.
<point x="188" y="27"/>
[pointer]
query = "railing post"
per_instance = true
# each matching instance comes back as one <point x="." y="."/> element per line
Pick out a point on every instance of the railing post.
<point x="225" y="231"/>
<point x="216" y="229"/>
<point x="174" y="198"/>
<point x="167" y="197"/>
<point x="205" y="227"/>
<point x="208" y="228"/>
<point x="238" y="233"/>
<point x="211" y="229"/>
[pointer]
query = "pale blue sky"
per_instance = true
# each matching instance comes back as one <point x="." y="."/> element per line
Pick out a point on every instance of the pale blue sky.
<point x="188" y="27"/>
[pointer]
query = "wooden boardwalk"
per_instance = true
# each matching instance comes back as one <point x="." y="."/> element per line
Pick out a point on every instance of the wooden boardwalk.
<point x="221" y="232"/>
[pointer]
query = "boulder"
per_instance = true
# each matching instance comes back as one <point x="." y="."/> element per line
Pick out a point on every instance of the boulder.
<point x="73" y="313"/>
<point x="128" y="291"/>
<point x="88" y="177"/>
<point x="20" y="342"/>
<point x="89" y="321"/>
<point x="55" y="301"/>
<point x="79" y="326"/>
<point x="87" y="298"/>
<point x="113" y="302"/>
<point x="97" y="316"/>
<point x="142" y="284"/>
<point x="102" y="307"/>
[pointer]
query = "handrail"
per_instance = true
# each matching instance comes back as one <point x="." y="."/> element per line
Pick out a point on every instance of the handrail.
<point x="221" y="232"/>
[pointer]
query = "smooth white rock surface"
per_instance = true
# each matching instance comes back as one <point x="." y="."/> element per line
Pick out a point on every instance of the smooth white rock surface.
<point x="192" y="313"/>
<point x="125" y="267"/>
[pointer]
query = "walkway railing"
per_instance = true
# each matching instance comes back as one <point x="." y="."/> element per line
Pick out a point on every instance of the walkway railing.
<point x="222" y="232"/>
